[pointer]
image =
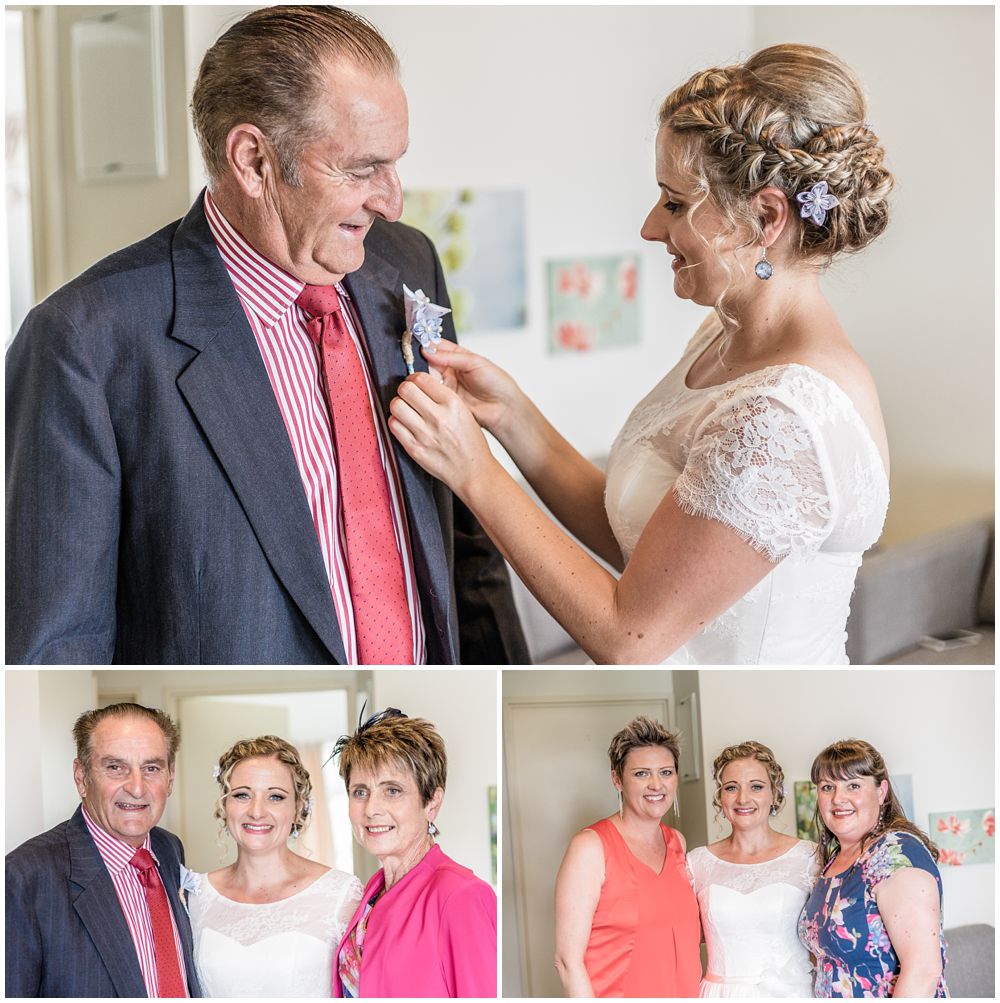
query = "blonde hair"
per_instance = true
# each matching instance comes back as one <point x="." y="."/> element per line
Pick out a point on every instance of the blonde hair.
<point x="848" y="760"/>
<point x="641" y="733"/>
<point x="749" y="750"/>
<point x="391" y="737"/>
<point x="266" y="747"/>
<point x="790" y="116"/>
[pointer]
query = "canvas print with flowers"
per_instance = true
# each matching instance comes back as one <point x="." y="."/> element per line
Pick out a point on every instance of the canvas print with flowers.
<point x="964" y="837"/>
<point x="479" y="234"/>
<point x="593" y="303"/>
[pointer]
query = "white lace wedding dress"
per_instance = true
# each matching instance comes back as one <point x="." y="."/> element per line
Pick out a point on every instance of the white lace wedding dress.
<point x="281" y="948"/>
<point x="749" y="916"/>
<point x="783" y="457"/>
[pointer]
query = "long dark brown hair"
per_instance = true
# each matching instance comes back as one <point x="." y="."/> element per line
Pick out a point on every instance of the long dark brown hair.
<point x="848" y="760"/>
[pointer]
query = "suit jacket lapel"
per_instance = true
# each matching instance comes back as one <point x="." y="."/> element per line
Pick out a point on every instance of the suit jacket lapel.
<point x="227" y="388"/>
<point x="100" y="912"/>
<point x="377" y="292"/>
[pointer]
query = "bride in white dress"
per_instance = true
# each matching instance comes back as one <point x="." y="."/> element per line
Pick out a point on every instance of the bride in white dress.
<point x="268" y="924"/>
<point x="745" y="487"/>
<point x="752" y="885"/>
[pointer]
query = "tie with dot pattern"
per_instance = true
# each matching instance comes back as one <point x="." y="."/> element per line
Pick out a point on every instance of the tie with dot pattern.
<point x="378" y="589"/>
<point x="169" y="981"/>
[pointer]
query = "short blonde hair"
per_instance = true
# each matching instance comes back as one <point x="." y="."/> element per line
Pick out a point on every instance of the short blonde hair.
<point x="790" y="116"/>
<point x="266" y="747"/>
<point x="749" y="750"/>
<point x="641" y="733"/>
<point x="393" y="738"/>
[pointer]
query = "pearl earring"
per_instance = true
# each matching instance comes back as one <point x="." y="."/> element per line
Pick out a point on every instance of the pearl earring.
<point x="432" y="829"/>
<point x="763" y="269"/>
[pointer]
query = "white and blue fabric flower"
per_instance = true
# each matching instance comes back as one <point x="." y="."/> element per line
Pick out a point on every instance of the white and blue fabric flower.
<point x="815" y="202"/>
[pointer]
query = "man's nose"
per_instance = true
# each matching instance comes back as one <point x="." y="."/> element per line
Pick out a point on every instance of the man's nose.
<point x="387" y="200"/>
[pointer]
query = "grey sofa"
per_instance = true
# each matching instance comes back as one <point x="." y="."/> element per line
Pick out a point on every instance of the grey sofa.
<point x="929" y="585"/>
<point x="971" y="953"/>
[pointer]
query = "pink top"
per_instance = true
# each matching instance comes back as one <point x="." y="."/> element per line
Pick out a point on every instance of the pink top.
<point x="268" y="295"/>
<point x="433" y="934"/>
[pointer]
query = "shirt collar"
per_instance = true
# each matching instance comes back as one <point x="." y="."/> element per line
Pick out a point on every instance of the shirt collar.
<point x="115" y="852"/>
<point x="264" y="289"/>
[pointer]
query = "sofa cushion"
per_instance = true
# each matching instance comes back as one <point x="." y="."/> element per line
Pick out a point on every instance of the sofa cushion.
<point x="971" y="951"/>
<point x="927" y="585"/>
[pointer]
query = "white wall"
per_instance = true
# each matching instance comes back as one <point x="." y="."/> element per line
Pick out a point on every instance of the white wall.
<point x="919" y="302"/>
<point x="936" y="725"/>
<point x="41" y="708"/>
<point x="462" y="705"/>
<point x="23" y="746"/>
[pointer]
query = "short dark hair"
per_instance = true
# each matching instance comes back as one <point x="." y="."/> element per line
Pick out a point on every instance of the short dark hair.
<point x="83" y="730"/>
<point x="268" y="69"/>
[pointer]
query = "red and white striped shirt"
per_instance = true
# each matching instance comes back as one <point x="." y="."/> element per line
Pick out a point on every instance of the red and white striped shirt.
<point x="117" y="854"/>
<point x="268" y="295"/>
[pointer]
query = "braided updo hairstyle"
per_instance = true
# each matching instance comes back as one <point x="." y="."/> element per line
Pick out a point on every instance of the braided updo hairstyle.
<point x="790" y="116"/>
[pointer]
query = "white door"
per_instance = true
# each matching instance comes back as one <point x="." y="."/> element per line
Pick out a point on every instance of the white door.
<point x="557" y="780"/>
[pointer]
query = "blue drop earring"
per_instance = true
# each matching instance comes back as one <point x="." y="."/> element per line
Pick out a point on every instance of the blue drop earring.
<point x="763" y="269"/>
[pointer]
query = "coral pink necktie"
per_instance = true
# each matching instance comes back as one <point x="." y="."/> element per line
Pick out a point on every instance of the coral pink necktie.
<point x="169" y="980"/>
<point x="378" y="589"/>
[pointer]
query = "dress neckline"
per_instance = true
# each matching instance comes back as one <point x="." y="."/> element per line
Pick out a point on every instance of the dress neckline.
<point x="828" y="381"/>
<point x="664" y="834"/>
<point x="257" y="905"/>
<point x="759" y="863"/>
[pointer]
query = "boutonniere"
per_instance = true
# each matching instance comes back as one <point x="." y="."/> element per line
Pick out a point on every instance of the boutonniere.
<point x="423" y="322"/>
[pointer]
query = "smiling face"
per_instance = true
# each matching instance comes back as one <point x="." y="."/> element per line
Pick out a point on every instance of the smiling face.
<point x="316" y="230"/>
<point x="128" y="783"/>
<point x="850" y="808"/>
<point x="648" y="782"/>
<point x="694" y="232"/>
<point x="388" y="815"/>
<point x="260" y="807"/>
<point x="745" y="794"/>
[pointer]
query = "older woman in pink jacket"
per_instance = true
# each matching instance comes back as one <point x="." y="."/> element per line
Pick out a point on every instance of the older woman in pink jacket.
<point x="426" y="926"/>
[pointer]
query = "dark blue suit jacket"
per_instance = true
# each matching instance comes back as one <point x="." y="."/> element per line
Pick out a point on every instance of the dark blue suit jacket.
<point x="155" y="512"/>
<point x="66" y="934"/>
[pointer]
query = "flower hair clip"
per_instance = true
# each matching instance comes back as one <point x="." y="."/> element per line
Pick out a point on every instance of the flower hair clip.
<point x="815" y="202"/>
<point x="423" y="322"/>
<point x="216" y="771"/>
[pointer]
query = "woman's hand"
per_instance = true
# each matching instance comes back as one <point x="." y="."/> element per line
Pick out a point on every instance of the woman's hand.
<point x="439" y="432"/>
<point x="490" y="393"/>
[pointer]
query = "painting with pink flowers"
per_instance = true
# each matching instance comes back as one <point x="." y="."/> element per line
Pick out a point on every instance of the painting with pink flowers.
<point x="593" y="303"/>
<point x="964" y="837"/>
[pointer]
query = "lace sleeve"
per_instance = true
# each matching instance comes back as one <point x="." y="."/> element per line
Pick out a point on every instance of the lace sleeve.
<point x="755" y="466"/>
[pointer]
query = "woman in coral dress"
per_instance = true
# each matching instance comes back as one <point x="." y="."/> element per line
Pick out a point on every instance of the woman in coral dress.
<point x="626" y="917"/>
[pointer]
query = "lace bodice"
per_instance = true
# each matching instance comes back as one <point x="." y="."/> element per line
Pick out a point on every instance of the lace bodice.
<point x="782" y="457"/>
<point x="281" y="948"/>
<point x="749" y="916"/>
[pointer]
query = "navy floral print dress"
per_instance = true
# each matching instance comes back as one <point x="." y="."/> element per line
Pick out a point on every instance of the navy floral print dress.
<point x="841" y="926"/>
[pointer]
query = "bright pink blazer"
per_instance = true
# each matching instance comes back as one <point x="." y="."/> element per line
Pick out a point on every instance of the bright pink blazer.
<point x="433" y="934"/>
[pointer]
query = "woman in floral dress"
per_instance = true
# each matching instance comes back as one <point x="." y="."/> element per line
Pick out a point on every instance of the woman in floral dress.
<point x="874" y="919"/>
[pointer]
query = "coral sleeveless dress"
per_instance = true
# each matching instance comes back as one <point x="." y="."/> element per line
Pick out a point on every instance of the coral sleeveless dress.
<point x="645" y="937"/>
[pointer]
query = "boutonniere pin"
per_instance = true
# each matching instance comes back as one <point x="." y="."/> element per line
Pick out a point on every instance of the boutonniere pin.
<point x="423" y="322"/>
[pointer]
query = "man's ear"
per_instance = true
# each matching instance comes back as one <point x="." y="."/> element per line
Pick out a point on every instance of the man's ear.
<point x="251" y="159"/>
<point x="80" y="778"/>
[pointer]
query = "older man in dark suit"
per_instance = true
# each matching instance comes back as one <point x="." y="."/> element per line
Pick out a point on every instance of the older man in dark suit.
<point x="199" y="468"/>
<point x="92" y="906"/>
